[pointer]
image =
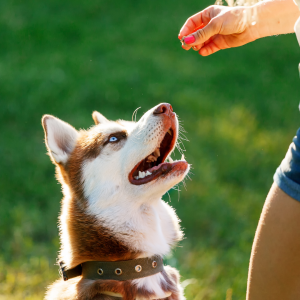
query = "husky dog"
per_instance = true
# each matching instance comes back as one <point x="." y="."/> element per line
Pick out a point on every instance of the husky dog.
<point x="113" y="177"/>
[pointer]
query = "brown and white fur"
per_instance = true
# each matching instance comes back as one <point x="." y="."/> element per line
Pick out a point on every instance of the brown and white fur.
<point x="108" y="213"/>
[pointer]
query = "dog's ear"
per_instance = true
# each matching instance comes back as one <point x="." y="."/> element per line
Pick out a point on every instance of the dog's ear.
<point x="98" y="118"/>
<point x="60" y="138"/>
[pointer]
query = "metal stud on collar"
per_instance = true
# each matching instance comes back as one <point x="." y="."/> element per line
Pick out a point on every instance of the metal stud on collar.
<point x="118" y="271"/>
<point x="154" y="264"/>
<point x="138" y="268"/>
<point x="100" y="271"/>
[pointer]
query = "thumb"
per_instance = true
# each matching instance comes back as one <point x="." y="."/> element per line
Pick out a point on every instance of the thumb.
<point x="202" y="35"/>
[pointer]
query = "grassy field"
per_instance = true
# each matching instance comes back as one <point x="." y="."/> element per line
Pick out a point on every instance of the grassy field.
<point x="68" y="58"/>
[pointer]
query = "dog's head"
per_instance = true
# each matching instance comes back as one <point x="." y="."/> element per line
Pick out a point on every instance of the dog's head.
<point x="117" y="163"/>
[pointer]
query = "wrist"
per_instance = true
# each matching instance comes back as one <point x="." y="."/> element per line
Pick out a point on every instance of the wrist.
<point x="274" y="17"/>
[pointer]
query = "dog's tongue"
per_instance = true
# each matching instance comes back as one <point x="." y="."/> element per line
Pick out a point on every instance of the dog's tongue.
<point x="155" y="168"/>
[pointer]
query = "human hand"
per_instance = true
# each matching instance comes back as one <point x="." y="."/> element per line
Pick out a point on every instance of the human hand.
<point x="221" y="27"/>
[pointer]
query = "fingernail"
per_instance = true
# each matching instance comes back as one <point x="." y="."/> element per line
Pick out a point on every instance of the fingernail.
<point x="189" y="39"/>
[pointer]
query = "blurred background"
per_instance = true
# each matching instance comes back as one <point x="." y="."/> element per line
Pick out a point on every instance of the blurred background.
<point x="68" y="58"/>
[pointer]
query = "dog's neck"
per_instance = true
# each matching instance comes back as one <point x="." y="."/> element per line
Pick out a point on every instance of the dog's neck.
<point x="88" y="234"/>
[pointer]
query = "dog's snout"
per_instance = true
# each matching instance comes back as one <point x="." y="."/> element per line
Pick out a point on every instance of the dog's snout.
<point x="164" y="108"/>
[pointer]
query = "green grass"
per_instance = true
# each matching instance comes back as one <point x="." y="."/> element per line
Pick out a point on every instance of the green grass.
<point x="68" y="58"/>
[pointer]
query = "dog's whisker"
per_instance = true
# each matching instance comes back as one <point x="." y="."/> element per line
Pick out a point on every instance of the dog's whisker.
<point x="135" y="113"/>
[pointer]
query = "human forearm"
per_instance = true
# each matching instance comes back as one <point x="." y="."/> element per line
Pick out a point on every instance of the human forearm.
<point x="274" y="17"/>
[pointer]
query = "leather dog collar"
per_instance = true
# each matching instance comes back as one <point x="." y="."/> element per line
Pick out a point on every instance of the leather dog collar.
<point x="115" y="270"/>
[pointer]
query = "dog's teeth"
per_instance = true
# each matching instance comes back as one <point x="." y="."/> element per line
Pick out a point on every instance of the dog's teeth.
<point x="170" y="159"/>
<point x="156" y="152"/>
<point x="141" y="174"/>
<point x="136" y="177"/>
<point x="148" y="173"/>
<point x="151" y="158"/>
<point x="182" y="157"/>
<point x="169" y="132"/>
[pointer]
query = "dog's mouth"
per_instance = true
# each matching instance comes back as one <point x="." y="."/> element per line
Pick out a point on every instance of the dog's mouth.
<point x="154" y="165"/>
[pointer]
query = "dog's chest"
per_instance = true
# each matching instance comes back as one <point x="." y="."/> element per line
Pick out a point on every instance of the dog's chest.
<point x="147" y="229"/>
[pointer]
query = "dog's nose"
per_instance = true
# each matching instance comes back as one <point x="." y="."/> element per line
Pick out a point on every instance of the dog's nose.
<point x="164" y="108"/>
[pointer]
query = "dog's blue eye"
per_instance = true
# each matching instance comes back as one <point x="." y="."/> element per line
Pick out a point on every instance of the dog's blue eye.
<point x="113" y="139"/>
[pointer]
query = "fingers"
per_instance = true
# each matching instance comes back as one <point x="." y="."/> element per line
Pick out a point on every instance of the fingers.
<point x="196" y="22"/>
<point x="186" y="47"/>
<point x="206" y="49"/>
<point x="221" y="29"/>
<point x="197" y="48"/>
<point x="201" y="36"/>
<point x="209" y="49"/>
<point x="190" y="25"/>
<point x="215" y="44"/>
